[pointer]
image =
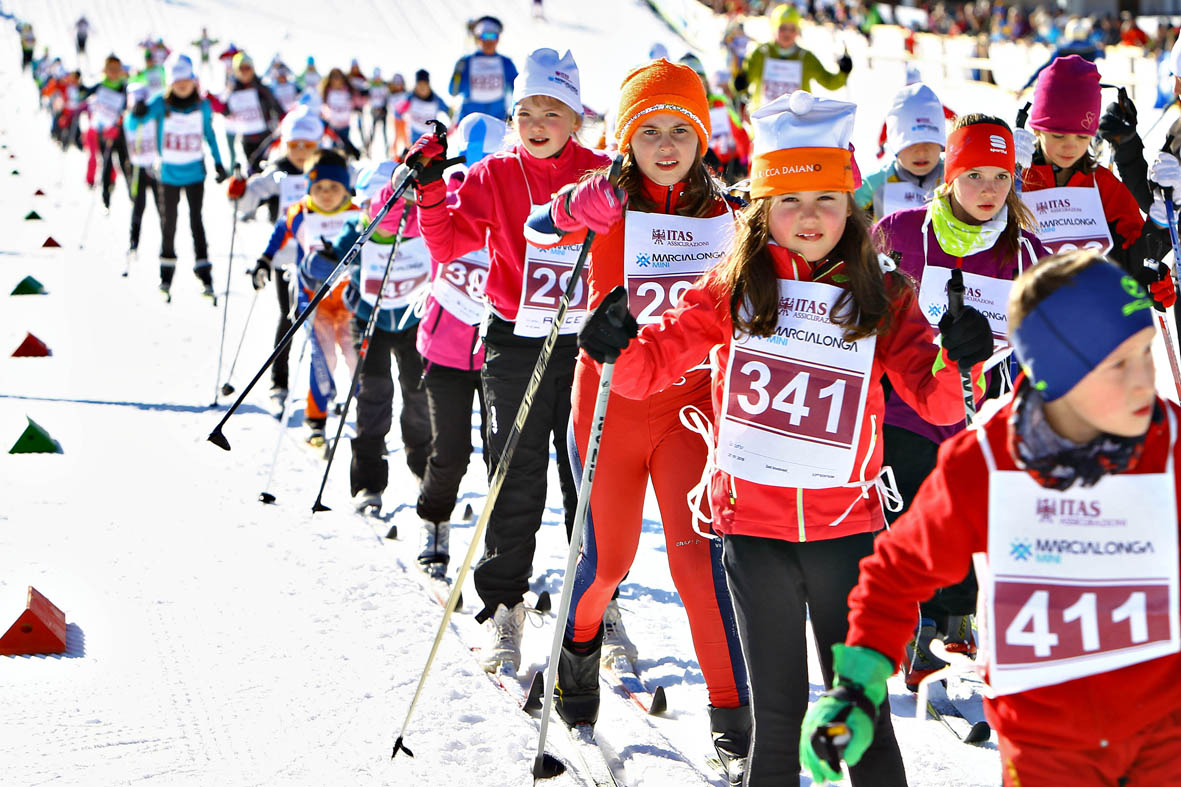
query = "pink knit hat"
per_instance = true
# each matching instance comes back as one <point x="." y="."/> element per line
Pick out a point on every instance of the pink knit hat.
<point x="1066" y="98"/>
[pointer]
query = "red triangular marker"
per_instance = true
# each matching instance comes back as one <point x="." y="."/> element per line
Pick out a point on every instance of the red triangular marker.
<point x="50" y="243"/>
<point x="41" y="628"/>
<point x="38" y="193"/>
<point x="32" y="347"/>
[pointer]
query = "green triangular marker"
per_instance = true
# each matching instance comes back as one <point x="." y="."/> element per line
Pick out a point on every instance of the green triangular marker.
<point x="29" y="286"/>
<point x="35" y="440"/>
<point x="16" y="172"/>
<point x="32" y="216"/>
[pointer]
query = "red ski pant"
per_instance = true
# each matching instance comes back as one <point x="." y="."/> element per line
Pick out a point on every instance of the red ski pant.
<point x="1148" y="758"/>
<point x="645" y="439"/>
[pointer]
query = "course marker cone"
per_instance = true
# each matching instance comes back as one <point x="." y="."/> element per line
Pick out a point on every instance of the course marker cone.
<point x="35" y="440"/>
<point x="50" y="243"/>
<point x="32" y="347"/>
<point x="41" y="628"/>
<point x="28" y="286"/>
<point x="38" y="193"/>
<point x="15" y="172"/>
<point x="32" y="216"/>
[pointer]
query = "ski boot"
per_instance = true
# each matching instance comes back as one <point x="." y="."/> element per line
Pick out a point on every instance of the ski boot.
<point x="920" y="662"/>
<point x="128" y="259"/>
<point x="504" y="649"/>
<point x="576" y="694"/>
<point x="167" y="268"/>
<point x="203" y="269"/>
<point x="435" y="554"/>
<point x="616" y="643"/>
<point x="315" y="436"/>
<point x="278" y="399"/>
<point x="960" y="636"/>
<point x="166" y="291"/>
<point x="730" y="730"/>
<point x="367" y="502"/>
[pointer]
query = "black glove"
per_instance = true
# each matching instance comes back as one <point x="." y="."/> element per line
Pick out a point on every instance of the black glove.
<point x="328" y="252"/>
<point x="1157" y="280"/>
<point x="609" y="328"/>
<point x="741" y="82"/>
<point x="221" y="173"/>
<point x="1117" y="126"/>
<point x="968" y="338"/>
<point x="140" y="109"/>
<point x="260" y="274"/>
<point x="433" y="148"/>
<point x="845" y="64"/>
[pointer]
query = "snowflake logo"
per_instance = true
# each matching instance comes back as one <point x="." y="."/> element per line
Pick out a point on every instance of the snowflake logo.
<point x="935" y="310"/>
<point x="642" y="260"/>
<point x="1020" y="550"/>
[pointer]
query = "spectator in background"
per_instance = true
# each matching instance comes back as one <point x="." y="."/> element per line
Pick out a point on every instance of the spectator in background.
<point x="1130" y="32"/>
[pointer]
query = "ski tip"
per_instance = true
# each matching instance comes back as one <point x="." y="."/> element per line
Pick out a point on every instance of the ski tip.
<point x="544" y="602"/>
<point x="979" y="733"/>
<point x="317" y="507"/>
<point x="536" y="690"/>
<point x="393" y="532"/>
<point x="400" y="746"/>
<point x="659" y="702"/>
<point x="226" y="389"/>
<point x="547" y="766"/>
<point x="266" y="497"/>
<point x="219" y="439"/>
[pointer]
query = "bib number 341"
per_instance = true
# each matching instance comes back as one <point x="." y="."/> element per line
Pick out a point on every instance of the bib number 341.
<point x="804" y="400"/>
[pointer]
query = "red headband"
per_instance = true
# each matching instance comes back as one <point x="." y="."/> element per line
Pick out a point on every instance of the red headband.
<point x="978" y="145"/>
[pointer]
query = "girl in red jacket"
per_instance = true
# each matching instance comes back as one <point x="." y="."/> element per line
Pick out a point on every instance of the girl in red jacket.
<point x="676" y="226"/>
<point x="1067" y="498"/>
<point x="522" y="292"/>
<point x="801" y="322"/>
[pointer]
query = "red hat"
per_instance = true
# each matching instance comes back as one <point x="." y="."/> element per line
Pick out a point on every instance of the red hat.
<point x="979" y="145"/>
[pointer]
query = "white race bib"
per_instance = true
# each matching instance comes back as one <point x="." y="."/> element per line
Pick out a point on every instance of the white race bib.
<point x="485" y="78"/>
<point x="546" y="275"/>
<point x="459" y="287"/>
<point x="794" y="402"/>
<point x="901" y="195"/>
<point x="1070" y="218"/>
<point x="985" y="294"/>
<point x="339" y="106"/>
<point x="781" y="77"/>
<point x="141" y="146"/>
<point x="317" y="226"/>
<point x="106" y="107"/>
<point x="292" y="188"/>
<point x="378" y="95"/>
<point x="285" y="93"/>
<point x="411" y="269"/>
<point x="422" y="112"/>
<point x="1078" y="582"/>
<point x="663" y="255"/>
<point x="183" y="133"/>
<point x="721" y="139"/>
<point x="245" y="113"/>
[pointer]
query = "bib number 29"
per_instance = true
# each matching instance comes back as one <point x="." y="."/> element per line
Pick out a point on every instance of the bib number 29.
<point x="547" y="284"/>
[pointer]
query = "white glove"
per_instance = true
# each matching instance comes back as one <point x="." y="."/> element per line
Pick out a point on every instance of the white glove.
<point x="1166" y="171"/>
<point x="1159" y="212"/>
<point x="1024" y="143"/>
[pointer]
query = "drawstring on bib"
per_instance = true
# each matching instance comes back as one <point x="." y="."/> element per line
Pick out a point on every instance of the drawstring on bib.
<point x="695" y="421"/>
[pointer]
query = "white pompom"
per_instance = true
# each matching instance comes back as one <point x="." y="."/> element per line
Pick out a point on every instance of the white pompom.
<point x="801" y="102"/>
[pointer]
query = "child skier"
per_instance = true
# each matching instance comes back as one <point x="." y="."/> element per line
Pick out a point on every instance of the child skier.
<point x="422" y="106"/>
<point x="663" y="133"/>
<point x="104" y="138"/>
<point x="779" y="67"/>
<point x="485" y="77"/>
<point x="797" y="470"/>
<point x="251" y="112"/>
<point x="141" y="133"/>
<point x="916" y="134"/>
<point x="337" y="108"/>
<point x="1077" y="466"/>
<point x="491" y="208"/>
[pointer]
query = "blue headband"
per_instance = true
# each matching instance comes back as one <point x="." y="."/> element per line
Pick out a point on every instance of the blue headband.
<point x="1076" y="327"/>
<point x="335" y="172"/>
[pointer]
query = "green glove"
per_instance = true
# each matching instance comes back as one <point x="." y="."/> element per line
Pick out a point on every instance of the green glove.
<point x="840" y="725"/>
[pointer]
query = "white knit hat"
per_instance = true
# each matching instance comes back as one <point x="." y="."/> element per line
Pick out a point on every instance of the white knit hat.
<point x="301" y="123"/>
<point x="548" y="75"/>
<point x="915" y="116"/>
<point x="182" y="68"/>
<point x="802" y="144"/>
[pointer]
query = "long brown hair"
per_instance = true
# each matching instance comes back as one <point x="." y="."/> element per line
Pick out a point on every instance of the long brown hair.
<point x="1020" y="217"/>
<point x="698" y="198"/>
<point x="748" y="273"/>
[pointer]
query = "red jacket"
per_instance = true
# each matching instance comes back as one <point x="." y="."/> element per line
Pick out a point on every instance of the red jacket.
<point x="493" y="204"/>
<point x="931" y="547"/>
<point x="701" y="322"/>
<point x="1119" y="206"/>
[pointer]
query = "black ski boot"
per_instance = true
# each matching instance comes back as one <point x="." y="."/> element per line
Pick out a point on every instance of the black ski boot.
<point x="576" y="695"/>
<point x="730" y="729"/>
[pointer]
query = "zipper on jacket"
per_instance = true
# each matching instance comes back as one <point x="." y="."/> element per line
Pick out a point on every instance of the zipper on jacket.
<point x="800" y="513"/>
<point x="668" y="200"/>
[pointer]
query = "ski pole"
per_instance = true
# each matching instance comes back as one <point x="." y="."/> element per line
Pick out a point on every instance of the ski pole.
<point x="546" y="766"/>
<point x="955" y="305"/>
<point x="406" y="179"/>
<point x="265" y="496"/>
<point x="226" y="388"/>
<point x="502" y="466"/>
<point x="1022" y="116"/>
<point x="1162" y="321"/>
<point x="370" y="327"/>
<point x="225" y="307"/>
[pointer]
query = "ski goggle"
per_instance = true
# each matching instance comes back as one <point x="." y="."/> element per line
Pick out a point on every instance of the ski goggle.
<point x="489" y="36"/>
<point x="303" y="144"/>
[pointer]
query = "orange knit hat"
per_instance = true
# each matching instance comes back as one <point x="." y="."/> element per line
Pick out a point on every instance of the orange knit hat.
<point x="661" y="86"/>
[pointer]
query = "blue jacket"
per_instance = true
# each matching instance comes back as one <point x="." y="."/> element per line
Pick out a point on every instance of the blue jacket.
<point x="388" y="320"/>
<point x="172" y="174"/>
<point x="461" y="86"/>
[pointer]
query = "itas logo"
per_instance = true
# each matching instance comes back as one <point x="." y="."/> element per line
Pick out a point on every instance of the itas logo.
<point x="658" y="236"/>
<point x="997" y="144"/>
<point x="673" y="237"/>
<point x="1020" y="549"/>
<point x="1051" y="204"/>
<point x="643" y="260"/>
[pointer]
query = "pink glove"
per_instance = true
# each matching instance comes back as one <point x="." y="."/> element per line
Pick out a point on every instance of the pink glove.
<point x="594" y="203"/>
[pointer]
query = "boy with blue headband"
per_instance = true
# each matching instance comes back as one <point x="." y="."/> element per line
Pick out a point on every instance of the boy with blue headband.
<point x="1066" y="495"/>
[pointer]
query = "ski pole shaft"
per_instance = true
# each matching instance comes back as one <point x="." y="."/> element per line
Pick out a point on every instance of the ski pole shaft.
<point x="370" y="327"/>
<point x="225" y="307"/>
<point x="266" y="495"/>
<point x="502" y="466"/>
<point x="227" y="388"/>
<point x="584" y="492"/>
<point x="955" y="305"/>
<point x="1022" y="117"/>
<point x="407" y="178"/>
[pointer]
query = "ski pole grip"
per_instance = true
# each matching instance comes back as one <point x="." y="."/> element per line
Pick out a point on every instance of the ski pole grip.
<point x="1023" y="114"/>
<point x="955" y="293"/>
<point x="829" y="742"/>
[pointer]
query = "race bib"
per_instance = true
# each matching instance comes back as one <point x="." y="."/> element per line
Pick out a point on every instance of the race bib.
<point x="422" y="112"/>
<point x="141" y="146"/>
<point x="292" y="188"/>
<point x="985" y="294"/>
<point x="1069" y="218"/>
<point x="1078" y="582"/>
<point x="319" y="226"/>
<point x="721" y="139"/>
<point x="339" y="106"/>
<point x="794" y="402"/>
<point x="410" y="270"/>
<point x="459" y="287"/>
<point x="901" y="195"/>
<point x="547" y="274"/>
<point x="664" y="255"/>
<point x="183" y="132"/>
<point x="781" y="77"/>
<point x="245" y="113"/>
<point x="285" y="93"/>
<point x="485" y="79"/>
<point x="106" y="107"/>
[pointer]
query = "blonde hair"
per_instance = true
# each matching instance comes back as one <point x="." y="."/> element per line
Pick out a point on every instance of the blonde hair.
<point x="545" y="103"/>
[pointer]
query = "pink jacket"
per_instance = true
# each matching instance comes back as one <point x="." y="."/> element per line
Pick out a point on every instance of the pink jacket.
<point x="443" y="338"/>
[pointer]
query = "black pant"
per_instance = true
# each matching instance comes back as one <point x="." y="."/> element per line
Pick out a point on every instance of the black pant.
<point x="194" y="195"/>
<point x="502" y="576"/>
<point x="144" y="184"/>
<point x="375" y="401"/>
<point x="81" y="43"/>
<point x="913" y="458"/>
<point x="250" y="145"/>
<point x="280" y="368"/>
<point x="777" y="586"/>
<point x="110" y="149"/>
<point x="449" y="395"/>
